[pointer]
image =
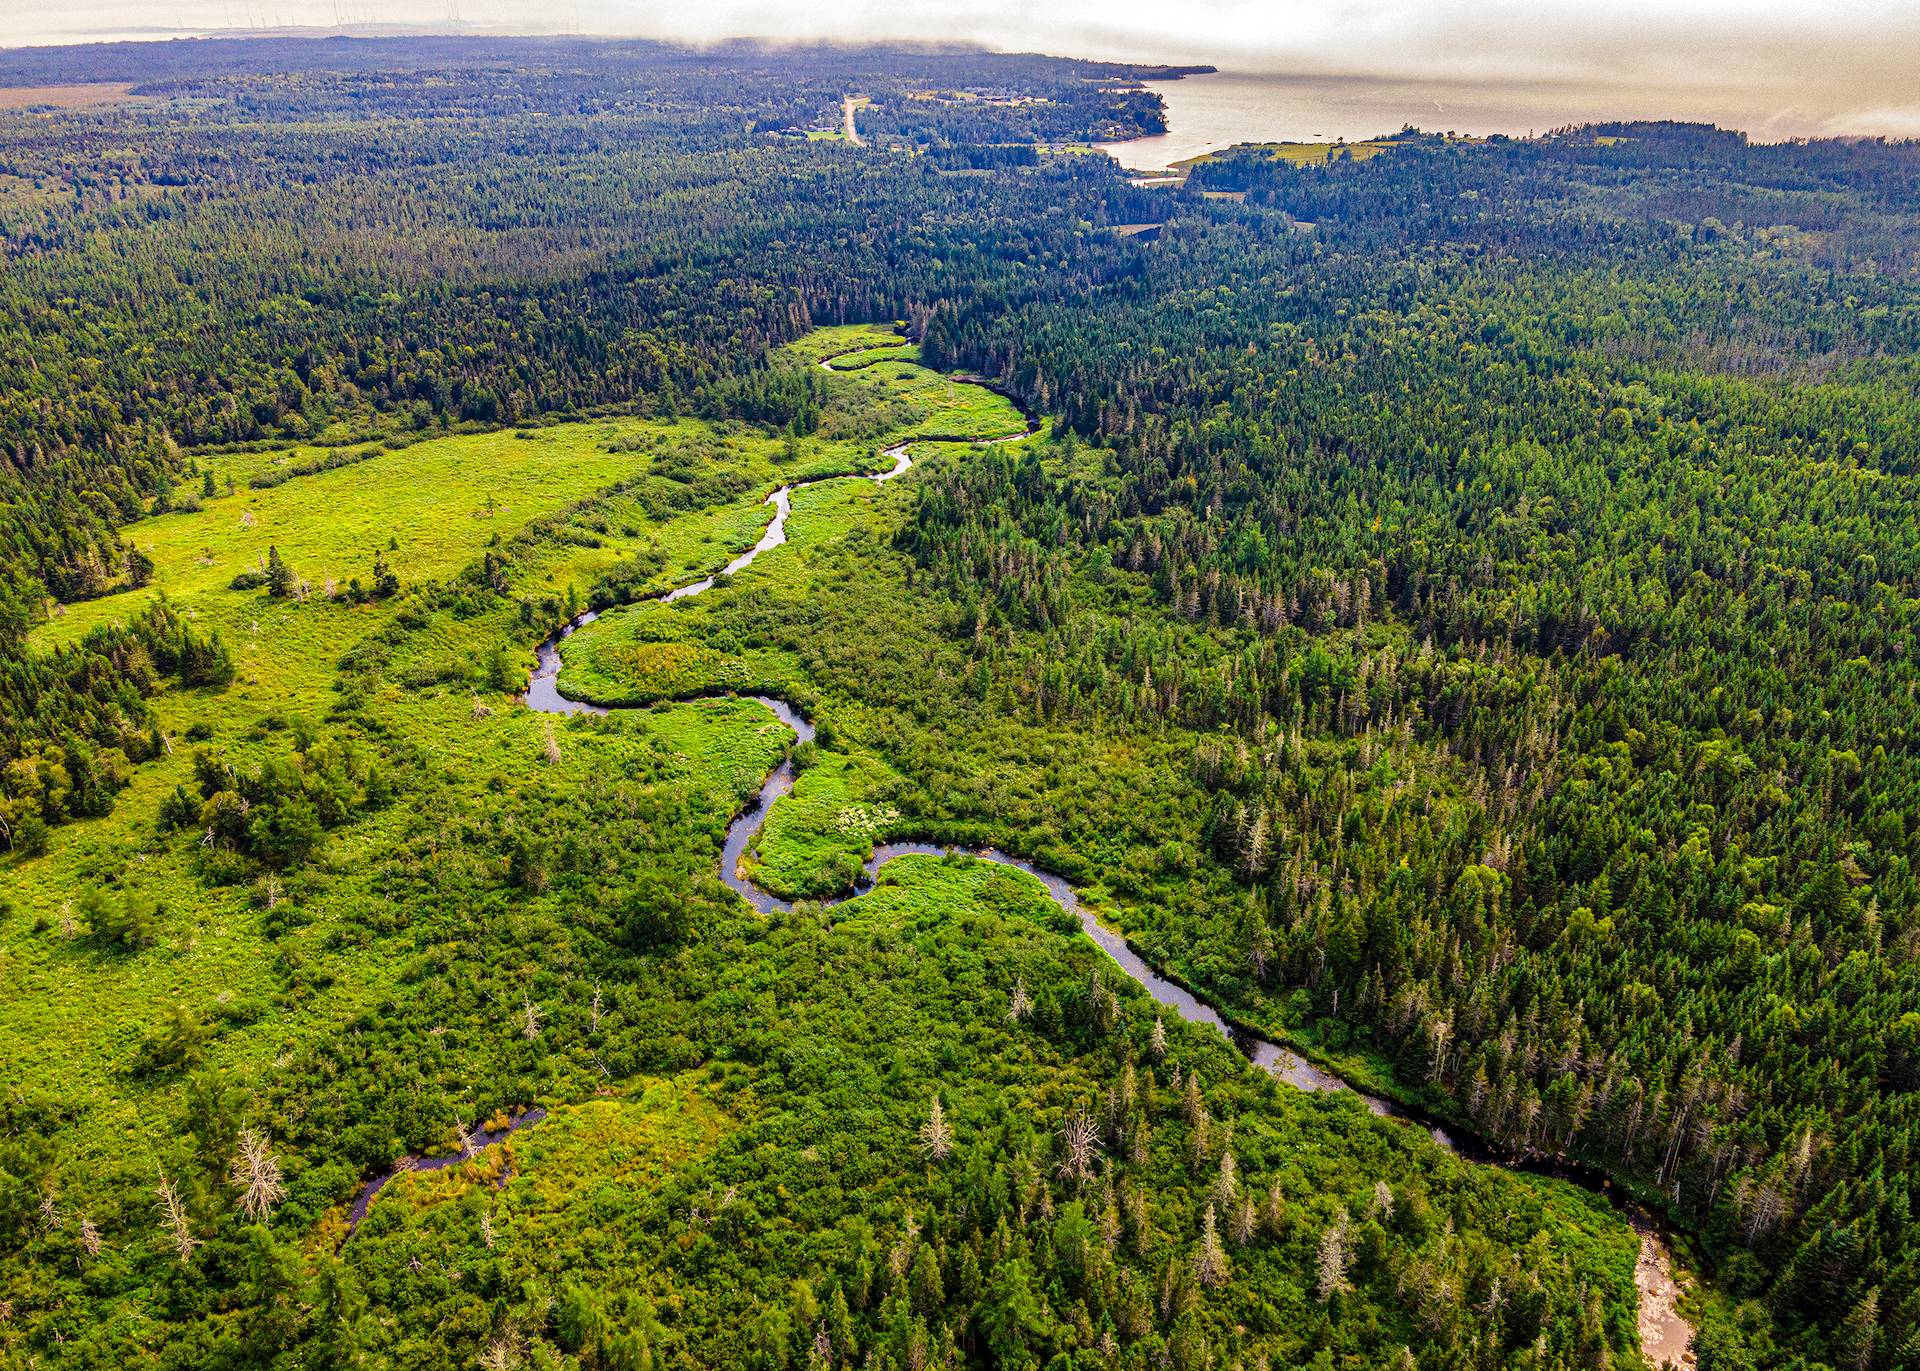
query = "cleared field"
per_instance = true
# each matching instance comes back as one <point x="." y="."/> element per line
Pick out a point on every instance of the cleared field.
<point x="866" y="357"/>
<point x="427" y="510"/>
<point x="835" y="339"/>
<point x="66" y="97"/>
<point x="954" y="409"/>
<point x="1300" y="154"/>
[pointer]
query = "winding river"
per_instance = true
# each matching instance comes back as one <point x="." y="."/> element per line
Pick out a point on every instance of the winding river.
<point x="543" y="692"/>
<point x="1665" y="1336"/>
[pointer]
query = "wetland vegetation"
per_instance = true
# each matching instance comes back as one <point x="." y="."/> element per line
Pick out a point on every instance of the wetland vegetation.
<point x="1450" y="642"/>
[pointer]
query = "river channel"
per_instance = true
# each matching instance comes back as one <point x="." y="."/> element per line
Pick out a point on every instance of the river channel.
<point x="1664" y="1334"/>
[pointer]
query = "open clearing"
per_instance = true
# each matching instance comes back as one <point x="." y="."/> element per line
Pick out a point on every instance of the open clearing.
<point x="670" y="500"/>
<point x="66" y="97"/>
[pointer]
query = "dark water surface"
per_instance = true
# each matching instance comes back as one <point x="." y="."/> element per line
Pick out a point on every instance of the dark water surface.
<point x="481" y="1139"/>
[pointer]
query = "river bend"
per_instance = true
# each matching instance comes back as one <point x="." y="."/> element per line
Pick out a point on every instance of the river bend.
<point x="1665" y="1336"/>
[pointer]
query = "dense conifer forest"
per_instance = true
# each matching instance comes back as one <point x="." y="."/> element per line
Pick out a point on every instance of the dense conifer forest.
<point x="1454" y="609"/>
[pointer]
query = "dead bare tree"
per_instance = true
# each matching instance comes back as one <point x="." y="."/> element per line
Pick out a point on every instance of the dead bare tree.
<point x="174" y="1212"/>
<point x="936" y="1134"/>
<point x="1081" y="1136"/>
<point x="1276" y="1207"/>
<point x="1331" y="1259"/>
<point x="257" y="1172"/>
<point x="1245" y="1220"/>
<point x="900" y="1258"/>
<point x="1226" y="1190"/>
<point x="1021" y="1004"/>
<point x="1210" y="1262"/>
<point x="503" y="1353"/>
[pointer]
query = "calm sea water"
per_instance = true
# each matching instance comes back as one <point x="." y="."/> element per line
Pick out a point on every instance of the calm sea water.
<point x="1207" y="113"/>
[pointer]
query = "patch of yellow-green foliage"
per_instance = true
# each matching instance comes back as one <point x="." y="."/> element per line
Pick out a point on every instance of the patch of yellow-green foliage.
<point x="814" y="840"/>
<point x="427" y="509"/>
<point x="835" y="339"/>
<point x="1300" y="154"/>
<point x="537" y="1184"/>
<point x="616" y="665"/>
<point x="599" y="493"/>
<point x="866" y="357"/>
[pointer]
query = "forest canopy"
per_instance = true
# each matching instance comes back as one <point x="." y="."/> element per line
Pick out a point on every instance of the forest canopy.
<point x="1454" y="609"/>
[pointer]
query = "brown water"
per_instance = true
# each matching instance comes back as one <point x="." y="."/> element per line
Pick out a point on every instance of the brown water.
<point x="1666" y="1338"/>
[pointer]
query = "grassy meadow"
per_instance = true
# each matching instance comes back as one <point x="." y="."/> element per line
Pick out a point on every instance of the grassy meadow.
<point x="866" y="357"/>
<point x="525" y="910"/>
<point x="1299" y="154"/>
<point x="603" y="496"/>
<point x="835" y="340"/>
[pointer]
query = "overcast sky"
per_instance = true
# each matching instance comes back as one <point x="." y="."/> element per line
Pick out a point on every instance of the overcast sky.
<point x="1854" y="61"/>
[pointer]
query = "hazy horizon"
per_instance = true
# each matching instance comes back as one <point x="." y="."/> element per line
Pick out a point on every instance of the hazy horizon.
<point x="1774" y="69"/>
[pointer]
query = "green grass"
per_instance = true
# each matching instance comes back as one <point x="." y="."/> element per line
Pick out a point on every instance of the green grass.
<point x="815" y="839"/>
<point x="1299" y="154"/>
<point x="212" y="955"/>
<point x="645" y="671"/>
<point x="866" y="357"/>
<point x="689" y="547"/>
<point x="79" y="1015"/>
<point x="546" y="1183"/>
<point x="955" y="409"/>
<point x="622" y="658"/>
<point x="624" y="1143"/>
<point x="917" y="893"/>
<point x="835" y="339"/>
<point x="440" y="501"/>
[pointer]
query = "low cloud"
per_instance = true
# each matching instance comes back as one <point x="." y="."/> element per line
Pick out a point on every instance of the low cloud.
<point x="1778" y="66"/>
